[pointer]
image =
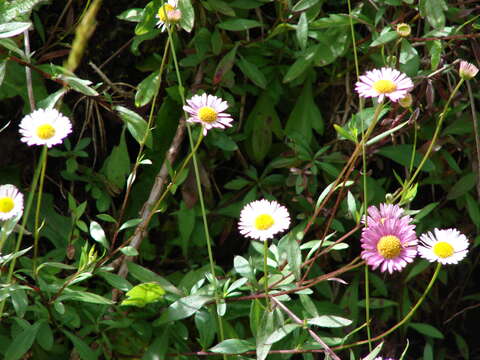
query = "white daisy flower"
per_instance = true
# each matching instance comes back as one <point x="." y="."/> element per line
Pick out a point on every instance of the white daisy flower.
<point x="445" y="246"/>
<point x="262" y="219"/>
<point x="384" y="82"/>
<point x="208" y="111"/>
<point x="11" y="202"/>
<point x="45" y="127"/>
<point x="168" y="13"/>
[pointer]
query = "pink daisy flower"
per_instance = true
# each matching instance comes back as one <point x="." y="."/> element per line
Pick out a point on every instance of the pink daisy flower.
<point x="386" y="211"/>
<point x="389" y="241"/>
<point x="208" y="111"/>
<point x="384" y="82"/>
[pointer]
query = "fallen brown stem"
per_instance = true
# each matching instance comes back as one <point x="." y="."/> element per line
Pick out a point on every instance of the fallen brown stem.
<point x="312" y="333"/>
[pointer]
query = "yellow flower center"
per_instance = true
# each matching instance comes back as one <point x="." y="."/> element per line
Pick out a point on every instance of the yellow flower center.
<point x="207" y="114"/>
<point x="389" y="246"/>
<point x="443" y="249"/>
<point x="45" y="131"/>
<point x="264" y="222"/>
<point x="384" y="86"/>
<point x="6" y="204"/>
<point x="163" y="12"/>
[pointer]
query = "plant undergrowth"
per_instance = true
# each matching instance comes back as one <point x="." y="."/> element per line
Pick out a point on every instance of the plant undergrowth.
<point x="242" y="179"/>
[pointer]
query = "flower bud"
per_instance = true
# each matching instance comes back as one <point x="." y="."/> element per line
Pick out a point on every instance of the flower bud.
<point x="404" y="30"/>
<point x="406" y="101"/>
<point x="467" y="70"/>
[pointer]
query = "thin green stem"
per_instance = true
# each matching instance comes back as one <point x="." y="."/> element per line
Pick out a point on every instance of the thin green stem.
<point x="367" y="308"/>
<point x="414" y="147"/>
<point x="36" y="233"/>
<point x="265" y="273"/>
<point x="404" y="320"/>
<point x="355" y="55"/>
<point x="432" y="143"/>
<point x="26" y="214"/>
<point x="199" y="188"/>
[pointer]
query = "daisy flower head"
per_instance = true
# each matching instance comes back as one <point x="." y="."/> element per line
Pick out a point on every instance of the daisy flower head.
<point x="208" y="110"/>
<point x="467" y="70"/>
<point x="447" y="246"/>
<point x="385" y="211"/>
<point x="168" y="14"/>
<point x="262" y="219"/>
<point x="388" y="242"/>
<point x="11" y="202"/>
<point x="384" y="82"/>
<point x="45" y="127"/>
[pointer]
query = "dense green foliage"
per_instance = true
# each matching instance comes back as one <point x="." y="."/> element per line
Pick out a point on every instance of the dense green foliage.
<point x="130" y="248"/>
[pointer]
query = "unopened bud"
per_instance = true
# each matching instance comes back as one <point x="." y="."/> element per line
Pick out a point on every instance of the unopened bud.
<point x="404" y="30"/>
<point x="406" y="101"/>
<point x="467" y="70"/>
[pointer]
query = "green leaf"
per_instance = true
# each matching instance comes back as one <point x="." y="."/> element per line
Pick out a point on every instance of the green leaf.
<point x="130" y="223"/>
<point x="77" y="84"/>
<point x="205" y="321"/>
<point x="409" y="59"/>
<point x="45" y="336"/>
<point x="221" y="7"/>
<point x="305" y="116"/>
<point x="426" y="329"/>
<point x="12" y="46"/>
<point x="281" y="332"/>
<point x="85" y="352"/>
<point x="136" y="125"/>
<point x="133" y="15"/>
<point x="13" y="9"/>
<point x="265" y="328"/>
<point x="97" y="233"/>
<point x="252" y="72"/>
<point x="117" y="164"/>
<point x="144" y="294"/>
<point x="129" y="251"/>
<point x="13" y="28"/>
<point x="148" y="20"/>
<point x="384" y="38"/>
<point x="50" y="101"/>
<point x="115" y="280"/>
<point x="290" y="246"/>
<point x="373" y="354"/>
<point x="239" y="24"/>
<point x="19" y="301"/>
<point x="184" y="307"/>
<point x="188" y="15"/>
<point x="146" y="89"/>
<point x="473" y="209"/>
<point x="462" y="346"/>
<point x="304" y="5"/>
<point x="233" y="346"/>
<point x="243" y="267"/>
<point x="398" y="153"/>
<point x="329" y="321"/>
<point x="22" y="342"/>
<point x="302" y="31"/>
<point x="225" y="65"/>
<point x="259" y="127"/>
<point x="464" y="185"/>
<point x="298" y="67"/>
<point x="433" y="10"/>
<point x="84" y="296"/>
<point x="144" y="275"/>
